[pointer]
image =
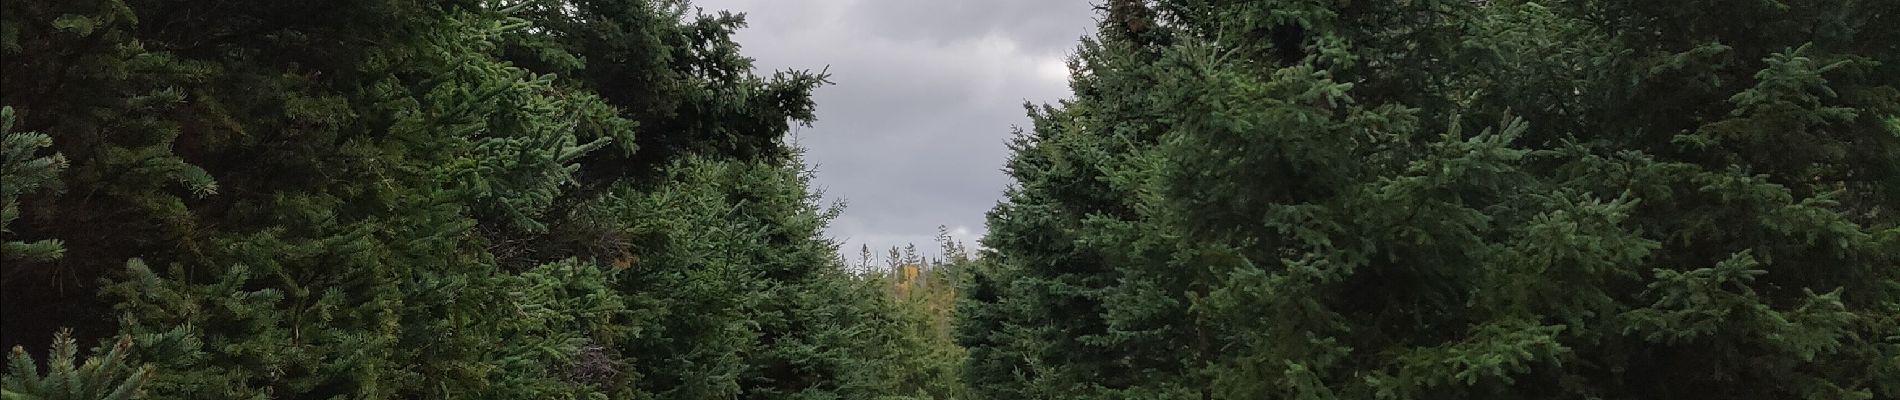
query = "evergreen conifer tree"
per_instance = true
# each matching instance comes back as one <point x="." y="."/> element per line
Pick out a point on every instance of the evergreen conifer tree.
<point x="390" y="199"/>
<point x="1435" y="200"/>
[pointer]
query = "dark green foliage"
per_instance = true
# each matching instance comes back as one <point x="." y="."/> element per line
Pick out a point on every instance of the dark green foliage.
<point x="394" y="199"/>
<point x="675" y="73"/>
<point x="1289" y="199"/>
<point x="1299" y="199"/>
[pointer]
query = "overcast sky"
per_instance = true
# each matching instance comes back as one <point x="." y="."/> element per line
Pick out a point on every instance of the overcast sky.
<point x="913" y="132"/>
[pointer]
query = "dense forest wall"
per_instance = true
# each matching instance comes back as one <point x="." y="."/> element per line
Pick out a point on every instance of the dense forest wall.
<point x="1289" y="199"/>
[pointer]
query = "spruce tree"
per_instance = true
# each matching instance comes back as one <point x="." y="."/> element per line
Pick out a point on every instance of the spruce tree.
<point x="389" y="199"/>
<point x="1748" y="139"/>
<point x="1425" y="200"/>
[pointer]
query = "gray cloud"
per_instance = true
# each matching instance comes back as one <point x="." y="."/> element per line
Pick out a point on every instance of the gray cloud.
<point x="912" y="134"/>
<point x="1039" y="25"/>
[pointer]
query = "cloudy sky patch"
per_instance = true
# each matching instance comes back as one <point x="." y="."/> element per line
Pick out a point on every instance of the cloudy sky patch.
<point x="912" y="133"/>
